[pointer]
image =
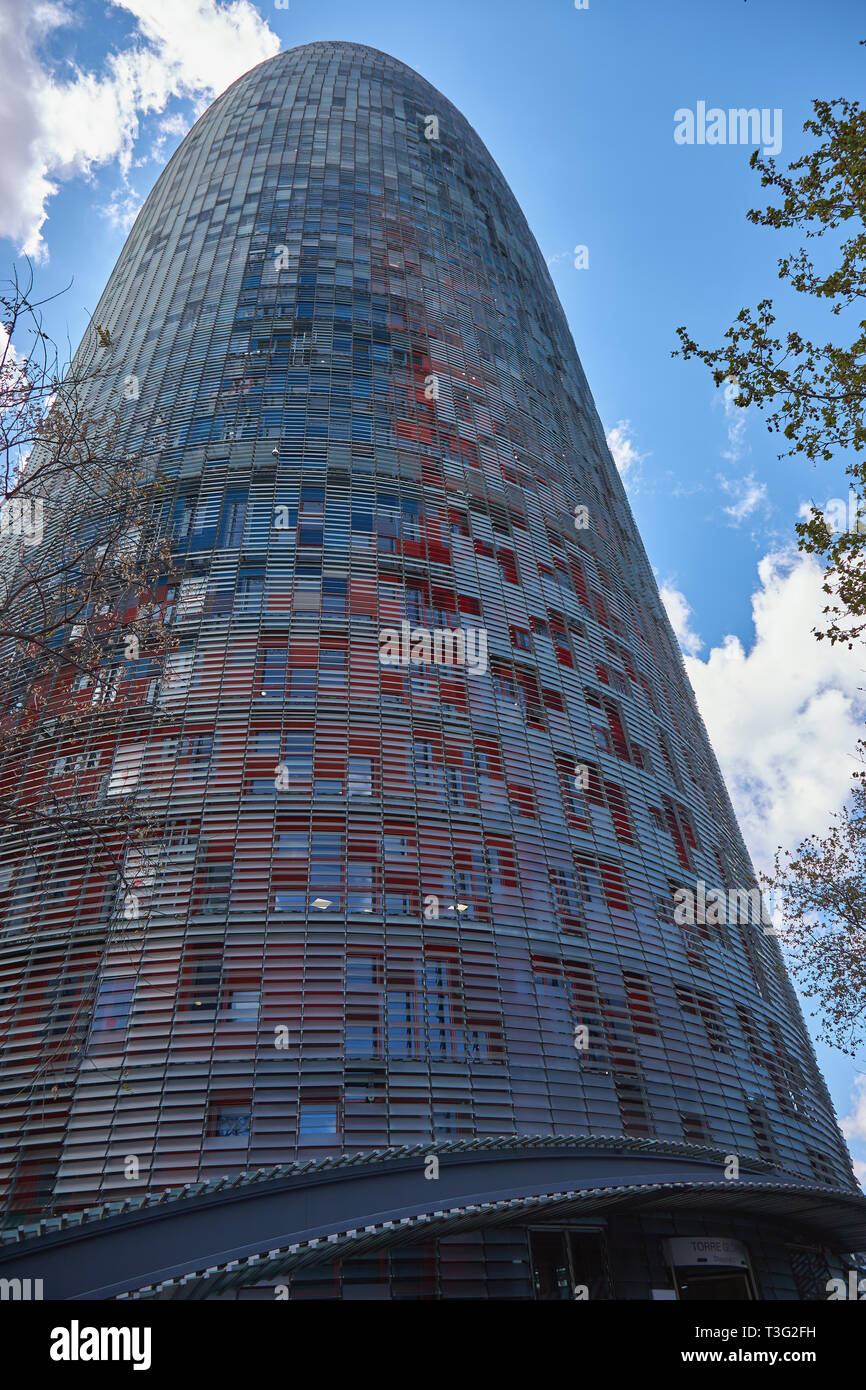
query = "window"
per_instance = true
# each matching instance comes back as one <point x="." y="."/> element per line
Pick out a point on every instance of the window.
<point x="198" y="749"/>
<point x="360" y="881"/>
<point x="294" y="844"/>
<point x="311" y="516"/>
<point x="463" y="892"/>
<point x="590" y="882"/>
<point x="292" y="901"/>
<point x="361" y="1039"/>
<point x="326" y="872"/>
<point x="308" y="594"/>
<point x="640" y="1004"/>
<point x="633" y="1105"/>
<point x="454" y="787"/>
<point x="449" y="1124"/>
<point x="106" y="686"/>
<point x="562" y="575"/>
<point x="273" y="674"/>
<point x="302" y="683"/>
<point x="244" y="1005"/>
<point x="423" y="765"/>
<point x="191" y="598"/>
<point x="75" y="762"/>
<point x="112" y="1008"/>
<point x="496" y="864"/>
<point x="204" y="973"/>
<point x="508" y="566"/>
<point x="679" y="829"/>
<point x="298" y="758"/>
<point x="250" y="592"/>
<point x="694" y="1127"/>
<point x="411" y="520"/>
<point x="126" y="769"/>
<point x="61" y="1006"/>
<point x="318" y="1118"/>
<point x="619" y="812"/>
<point x="641" y="757"/>
<point x="488" y="777"/>
<point x="693" y="936"/>
<point x="285" y="518"/>
<point x="609" y="675"/>
<point x="601" y="734"/>
<point x="231" y="526"/>
<point x="360" y="781"/>
<point x="785" y="1073"/>
<point x="332" y="669"/>
<point x="571" y="786"/>
<point x="216" y="888"/>
<point x="362" y="971"/>
<point x="399" y="1030"/>
<point x="757" y="1112"/>
<point x="566" y="892"/>
<point x="697" y="1003"/>
<point x="821" y="1168"/>
<point x="230" y="1122"/>
<point x="607" y="726"/>
<point x="333" y="597"/>
<point x="181" y="518"/>
<point x="261" y="786"/>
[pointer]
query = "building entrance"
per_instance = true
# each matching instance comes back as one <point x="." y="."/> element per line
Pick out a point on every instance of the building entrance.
<point x="566" y="1262"/>
<point x="711" y="1268"/>
<point x="720" y="1285"/>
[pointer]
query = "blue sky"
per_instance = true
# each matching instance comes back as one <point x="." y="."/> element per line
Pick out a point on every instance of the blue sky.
<point x="577" y="107"/>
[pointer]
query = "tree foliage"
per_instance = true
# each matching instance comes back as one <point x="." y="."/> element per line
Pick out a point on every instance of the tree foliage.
<point x="813" y="394"/>
<point x="84" y="573"/>
<point x="821" y="890"/>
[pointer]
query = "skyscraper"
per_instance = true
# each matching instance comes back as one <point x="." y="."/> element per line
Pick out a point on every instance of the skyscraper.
<point x="448" y="976"/>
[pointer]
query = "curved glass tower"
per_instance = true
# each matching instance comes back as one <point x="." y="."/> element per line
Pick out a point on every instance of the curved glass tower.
<point x="427" y="942"/>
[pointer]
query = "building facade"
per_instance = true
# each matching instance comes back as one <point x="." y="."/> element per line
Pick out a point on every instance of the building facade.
<point x="446" y="891"/>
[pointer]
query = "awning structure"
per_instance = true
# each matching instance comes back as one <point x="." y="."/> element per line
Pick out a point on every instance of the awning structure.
<point x="208" y="1238"/>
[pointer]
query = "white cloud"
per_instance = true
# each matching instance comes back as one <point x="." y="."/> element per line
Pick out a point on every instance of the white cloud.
<point x="748" y="493"/>
<point x="174" y="125"/>
<point x="122" y="209"/>
<point x="785" y="716"/>
<point x="736" y="420"/>
<point x="853" y="1126"/>
<point x="621" y="444"/>
<point x="680" y="613"/>
<point x="68" y="126"/>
